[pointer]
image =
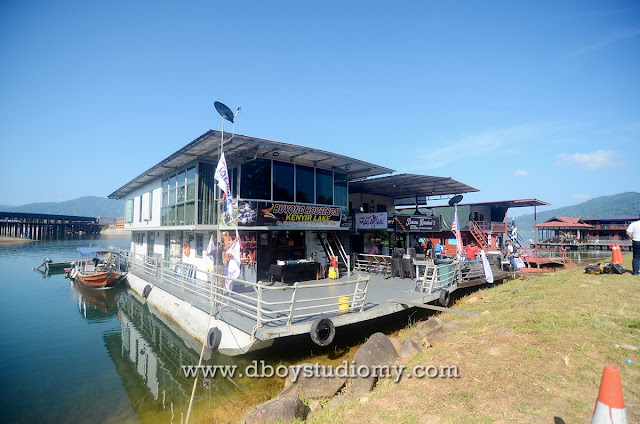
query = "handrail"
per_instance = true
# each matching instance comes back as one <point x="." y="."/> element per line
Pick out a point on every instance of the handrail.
<point x="259" y="307"/>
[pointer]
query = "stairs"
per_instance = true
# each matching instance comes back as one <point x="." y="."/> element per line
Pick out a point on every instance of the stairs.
<point x="333" y="247"/>
<point x="479" y="235"/>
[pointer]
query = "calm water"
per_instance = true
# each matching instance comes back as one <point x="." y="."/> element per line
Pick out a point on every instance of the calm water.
<point x="69" y="354"/>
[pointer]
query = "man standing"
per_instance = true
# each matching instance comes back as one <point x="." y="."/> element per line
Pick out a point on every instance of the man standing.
<point x="509" y="255"/>
<point x="472" y="251"/>
<point x="633" y="231"/>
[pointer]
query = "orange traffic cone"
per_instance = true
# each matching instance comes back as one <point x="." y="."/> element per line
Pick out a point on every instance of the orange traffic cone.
<point x="610" y="404"/>
<point x="616" y="254"/>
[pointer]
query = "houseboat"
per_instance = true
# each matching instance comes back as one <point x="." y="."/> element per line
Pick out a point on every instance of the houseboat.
<point x="290" y="214"/>
<point x="584" y="233"/>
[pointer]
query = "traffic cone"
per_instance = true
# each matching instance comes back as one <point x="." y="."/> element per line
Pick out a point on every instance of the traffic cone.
<point x="610" y="404"/>
<point x="616" y="254"/>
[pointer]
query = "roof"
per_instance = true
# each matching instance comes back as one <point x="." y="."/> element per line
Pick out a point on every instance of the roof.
<point x="410" y="185"/>
<point x="517" y="203"/>
<point x="563" y="222"/>
<point x="623" y="219"/>
<point x="240" y="147"/>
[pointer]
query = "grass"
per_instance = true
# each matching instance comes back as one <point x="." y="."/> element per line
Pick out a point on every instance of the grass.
<point x="535" y="353"/>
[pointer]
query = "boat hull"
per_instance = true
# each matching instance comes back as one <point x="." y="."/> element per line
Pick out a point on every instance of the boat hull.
<point x="100" y="279"/>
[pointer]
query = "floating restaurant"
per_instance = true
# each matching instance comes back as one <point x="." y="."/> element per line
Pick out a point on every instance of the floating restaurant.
<point x="584" y="233"/>
<point x="298" y="215"/>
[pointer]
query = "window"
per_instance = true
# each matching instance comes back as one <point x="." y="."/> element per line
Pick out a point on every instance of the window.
<point x="340" y="189"/>
<point x="140" y="209"/>
<point x="283" y="181"/>
<point x="324" y="187"/>
<point x="304" y="184"/>
<point x="150" y="205"/>
<point x="255" y="180"/>
<point x="206" y="193"/>
<point x="129" y="211"/>
<point x="178" y="198"/>
<point x="199" y="245"/>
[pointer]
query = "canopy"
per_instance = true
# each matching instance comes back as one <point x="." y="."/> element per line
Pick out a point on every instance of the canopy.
<point x="96" y="251"/>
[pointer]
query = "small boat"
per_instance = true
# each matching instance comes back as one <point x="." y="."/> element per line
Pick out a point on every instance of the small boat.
<point x="53" y="267"/>
<point x="103" y="270"/>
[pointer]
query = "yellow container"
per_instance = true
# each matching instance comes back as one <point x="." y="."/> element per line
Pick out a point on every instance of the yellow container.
<point x="343" y="303"/>
<point x="333" y="273"/>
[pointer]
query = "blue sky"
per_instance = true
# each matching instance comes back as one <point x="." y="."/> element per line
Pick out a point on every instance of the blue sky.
<point x="518" y="99"/>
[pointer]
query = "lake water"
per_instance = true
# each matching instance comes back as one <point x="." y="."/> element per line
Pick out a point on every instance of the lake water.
<point x="69" y="354"/>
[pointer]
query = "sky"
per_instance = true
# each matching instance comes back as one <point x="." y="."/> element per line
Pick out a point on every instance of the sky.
<point x="530" y="99"/>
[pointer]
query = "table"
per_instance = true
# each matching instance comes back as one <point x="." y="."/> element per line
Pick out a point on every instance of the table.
<point x="306" y="269"/>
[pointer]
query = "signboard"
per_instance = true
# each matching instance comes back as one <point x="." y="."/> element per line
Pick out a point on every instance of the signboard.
<point x="376" y="221"/>
<point x="417" y="223"/>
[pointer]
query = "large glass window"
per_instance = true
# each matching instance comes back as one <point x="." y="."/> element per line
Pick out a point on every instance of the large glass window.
<point x="191" y="183"/>
<point x="283" y="181"/>
<point x="206" y="193"/>
<point x="340" y="195"/>
<point x="178" y="195"/>
<point x="304" y="184"/>
<point x="324" y="187"/>
<point x="255" y="180"/>
<point x="129" y="211"/>
<point x="165" y="192"/>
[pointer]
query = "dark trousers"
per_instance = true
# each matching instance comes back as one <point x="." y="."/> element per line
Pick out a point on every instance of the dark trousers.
<point x="636" y="257"/>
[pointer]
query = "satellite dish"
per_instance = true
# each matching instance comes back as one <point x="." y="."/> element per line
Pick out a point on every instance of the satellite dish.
<point x="224" y="111"/>
<point x="455" y="199"/>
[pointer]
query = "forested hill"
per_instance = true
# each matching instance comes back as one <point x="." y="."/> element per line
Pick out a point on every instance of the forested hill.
<point x="615" y="206"/>
<point x="82" y="206"/>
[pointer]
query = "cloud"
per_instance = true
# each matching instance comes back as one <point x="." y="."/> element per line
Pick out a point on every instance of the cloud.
<point x="521" y="173"/>
<point x="476" y="145"/>
<point x="596" y="161"/>
<point x="618" y="35"/>
<point x="580" y="196"/>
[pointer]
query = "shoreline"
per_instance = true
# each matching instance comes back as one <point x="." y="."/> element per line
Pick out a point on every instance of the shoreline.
<point x="14" y="240"/>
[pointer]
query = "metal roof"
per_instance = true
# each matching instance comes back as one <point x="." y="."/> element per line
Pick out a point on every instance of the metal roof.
<point x="518" y="203"/>
<point x="238" y="148"/>
<point x="410" y="185"/>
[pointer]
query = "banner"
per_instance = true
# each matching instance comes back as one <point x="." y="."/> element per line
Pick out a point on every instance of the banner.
<point x="233" y="263"/>
<point x="312" y="216"/>
<point x="417" y="223"/>
<point x="222" y="176"/>
<point x="376" y="221"/>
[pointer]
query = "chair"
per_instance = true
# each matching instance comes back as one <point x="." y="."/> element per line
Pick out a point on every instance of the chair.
<point x="408" y="267"/>
<point x="411" y="252"/>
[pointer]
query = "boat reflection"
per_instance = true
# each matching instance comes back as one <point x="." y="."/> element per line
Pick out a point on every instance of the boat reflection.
<point x="149" y="352"/>
<point x="96" y="305"/>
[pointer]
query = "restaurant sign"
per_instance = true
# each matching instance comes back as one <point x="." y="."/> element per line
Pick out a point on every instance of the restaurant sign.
<point x="371" y="220"/>
<point x="288" y="214"/>
<point x="417" y="223"/>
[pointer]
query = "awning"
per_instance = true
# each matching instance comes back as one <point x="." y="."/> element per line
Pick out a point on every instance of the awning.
<point x="410" y="185"/>
<point x="87" y="251"/>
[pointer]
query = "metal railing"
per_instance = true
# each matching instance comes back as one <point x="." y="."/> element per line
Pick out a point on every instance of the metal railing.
<point x="264" y="304"/>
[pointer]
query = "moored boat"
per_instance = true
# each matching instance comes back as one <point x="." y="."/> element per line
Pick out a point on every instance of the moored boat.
<point x="103" y="270"/>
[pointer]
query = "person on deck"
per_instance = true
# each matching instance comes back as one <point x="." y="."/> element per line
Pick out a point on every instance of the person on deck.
<point x="472" y="251"/>
<point x="429" y="246"/>
<point x="374" y="250"/>
<point x="437" y="249"/>
<point x="633" y="231"/>
<point x="509" y="255"/>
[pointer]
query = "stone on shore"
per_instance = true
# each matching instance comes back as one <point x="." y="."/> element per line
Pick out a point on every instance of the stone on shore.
<point x="280" y="409"/>
<point x="376" y="351"/>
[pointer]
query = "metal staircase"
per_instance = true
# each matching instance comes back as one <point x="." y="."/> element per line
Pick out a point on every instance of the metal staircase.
<point x="333" y="248"/>
<point x="476" y="229"/>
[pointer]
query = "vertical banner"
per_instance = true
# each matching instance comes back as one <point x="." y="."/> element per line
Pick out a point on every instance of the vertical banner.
<point x="222" y="177"/>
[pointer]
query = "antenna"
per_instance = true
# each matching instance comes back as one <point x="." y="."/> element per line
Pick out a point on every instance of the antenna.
<point x="224" y="111"/>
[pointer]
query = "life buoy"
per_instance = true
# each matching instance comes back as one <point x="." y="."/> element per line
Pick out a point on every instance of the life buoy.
<point x="186" y="247"/>
<point x="322" y="331"/>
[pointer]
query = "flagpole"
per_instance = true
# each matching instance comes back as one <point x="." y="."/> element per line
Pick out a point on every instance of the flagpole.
<point x="218" y="201"/>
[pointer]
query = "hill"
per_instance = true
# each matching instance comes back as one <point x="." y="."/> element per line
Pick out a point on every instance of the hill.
<point x="618" y="205"/>
<point x="82" y="206"/>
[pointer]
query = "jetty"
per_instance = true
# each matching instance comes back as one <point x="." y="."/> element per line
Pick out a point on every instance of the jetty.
<point x="37" y="226"/>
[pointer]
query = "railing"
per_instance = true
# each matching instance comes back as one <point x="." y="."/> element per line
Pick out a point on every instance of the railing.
<point x="264" y="304"/>
<point x="441" y="276"/>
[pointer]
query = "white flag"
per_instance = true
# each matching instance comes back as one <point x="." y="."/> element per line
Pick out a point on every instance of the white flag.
<point x="222" y="177"/>
<point x="233" y="264"/>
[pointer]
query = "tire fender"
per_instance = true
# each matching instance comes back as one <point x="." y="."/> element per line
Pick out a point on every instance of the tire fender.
<point x="323" y="331"/>
<point x="445" y="298"/>
<point x="214" y="336"/>
<point x="146" y="291"/>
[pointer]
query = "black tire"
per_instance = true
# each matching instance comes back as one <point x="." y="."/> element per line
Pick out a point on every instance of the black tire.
<point x="322" y="331"/>
<point x="213" y="338"/>
<point x="445" y="298"/>
<point x="146" y="291"/>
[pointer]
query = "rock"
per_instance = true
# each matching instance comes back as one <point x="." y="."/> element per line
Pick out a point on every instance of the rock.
<point x="626" y="346"/>
<point x="437" y="336"/>
<point x="424" y="328"/>
<point x="288" y="379"/>
<point x="485" y="313"/>
<point x="409" y="348"/>
<point x="314" y="387"/>
<point x="376" y="351"/>
<point x="314" y="406"/>
<point x="280" y="409"/>
<point x="364" y="399"/>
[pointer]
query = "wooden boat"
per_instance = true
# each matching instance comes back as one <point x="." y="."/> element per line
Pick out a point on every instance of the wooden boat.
<point x="104" y="270"/>
<point x="53" y="267"/>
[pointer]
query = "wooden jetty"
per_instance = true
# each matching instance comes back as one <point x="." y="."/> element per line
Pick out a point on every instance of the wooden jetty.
<point x="36" y="226"/>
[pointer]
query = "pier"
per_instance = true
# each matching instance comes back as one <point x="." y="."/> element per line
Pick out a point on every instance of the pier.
<point x="36" y="226"/>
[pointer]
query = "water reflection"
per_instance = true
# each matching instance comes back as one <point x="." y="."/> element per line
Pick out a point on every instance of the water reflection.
<point x="96" y="305"/>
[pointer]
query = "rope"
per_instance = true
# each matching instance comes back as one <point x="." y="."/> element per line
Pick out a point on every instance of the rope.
<point x="195" y="382"/>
